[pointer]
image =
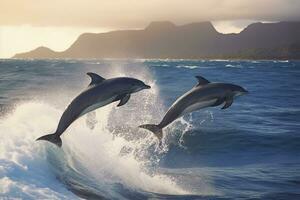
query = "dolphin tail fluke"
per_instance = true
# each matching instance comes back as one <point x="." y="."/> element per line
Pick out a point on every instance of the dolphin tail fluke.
<point x="153" y="128"/>
<point x="53" y="138"/>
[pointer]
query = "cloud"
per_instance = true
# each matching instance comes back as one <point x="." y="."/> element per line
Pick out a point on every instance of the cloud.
<point x="138" y="13"/>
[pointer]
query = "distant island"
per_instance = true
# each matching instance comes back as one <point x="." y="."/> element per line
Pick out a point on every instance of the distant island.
<point x="191" y="41"/>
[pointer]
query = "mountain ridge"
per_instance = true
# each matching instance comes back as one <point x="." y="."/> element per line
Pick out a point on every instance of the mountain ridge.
<point x="199" y="40"/>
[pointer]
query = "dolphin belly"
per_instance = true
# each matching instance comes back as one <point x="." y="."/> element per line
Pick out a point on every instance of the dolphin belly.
<point x="197" y="106"/>
<point x="97" y="105"/>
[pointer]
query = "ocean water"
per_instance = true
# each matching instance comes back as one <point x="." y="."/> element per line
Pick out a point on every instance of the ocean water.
<point x="249" y="151"/>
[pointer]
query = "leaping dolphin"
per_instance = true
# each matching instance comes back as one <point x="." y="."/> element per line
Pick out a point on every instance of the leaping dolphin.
<point x="204" y="94"/>
<point x="100" y="92"/>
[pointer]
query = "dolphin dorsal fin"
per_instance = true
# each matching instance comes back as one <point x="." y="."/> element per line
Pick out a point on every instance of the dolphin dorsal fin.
<point x="201" y="81"/>
<point x="95" y="78"/>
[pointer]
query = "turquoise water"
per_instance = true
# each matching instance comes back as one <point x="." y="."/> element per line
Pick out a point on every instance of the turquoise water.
<point x="249" y="151"/>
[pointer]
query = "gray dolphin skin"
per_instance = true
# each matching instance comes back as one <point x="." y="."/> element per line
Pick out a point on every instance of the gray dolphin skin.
<point x="100" y="92"/>
<point x="204" y="94"/>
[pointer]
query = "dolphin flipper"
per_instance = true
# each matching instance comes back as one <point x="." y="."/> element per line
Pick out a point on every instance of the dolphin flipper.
<point x="124" y="99"/>
<point x="218" y="102"/>
<point x="228" y="102"/>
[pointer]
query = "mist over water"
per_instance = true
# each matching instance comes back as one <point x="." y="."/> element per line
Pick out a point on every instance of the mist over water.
<point x="250" y="150"/>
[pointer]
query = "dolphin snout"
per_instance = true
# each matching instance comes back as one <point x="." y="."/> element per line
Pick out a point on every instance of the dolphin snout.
<point x="147" y="86"/>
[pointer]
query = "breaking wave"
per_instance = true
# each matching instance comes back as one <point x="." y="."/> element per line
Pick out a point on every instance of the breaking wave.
<point x="113" y="160"/>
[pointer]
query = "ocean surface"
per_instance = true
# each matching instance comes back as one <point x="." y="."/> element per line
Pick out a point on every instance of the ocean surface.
<point x="248" y="151"/>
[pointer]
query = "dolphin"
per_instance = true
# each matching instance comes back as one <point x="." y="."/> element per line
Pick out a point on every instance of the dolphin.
<point x="204" y="94"/>
<point x="100" y="92"/>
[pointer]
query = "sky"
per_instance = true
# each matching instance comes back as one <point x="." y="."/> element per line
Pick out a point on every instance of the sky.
<point x="27" y="24"/>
